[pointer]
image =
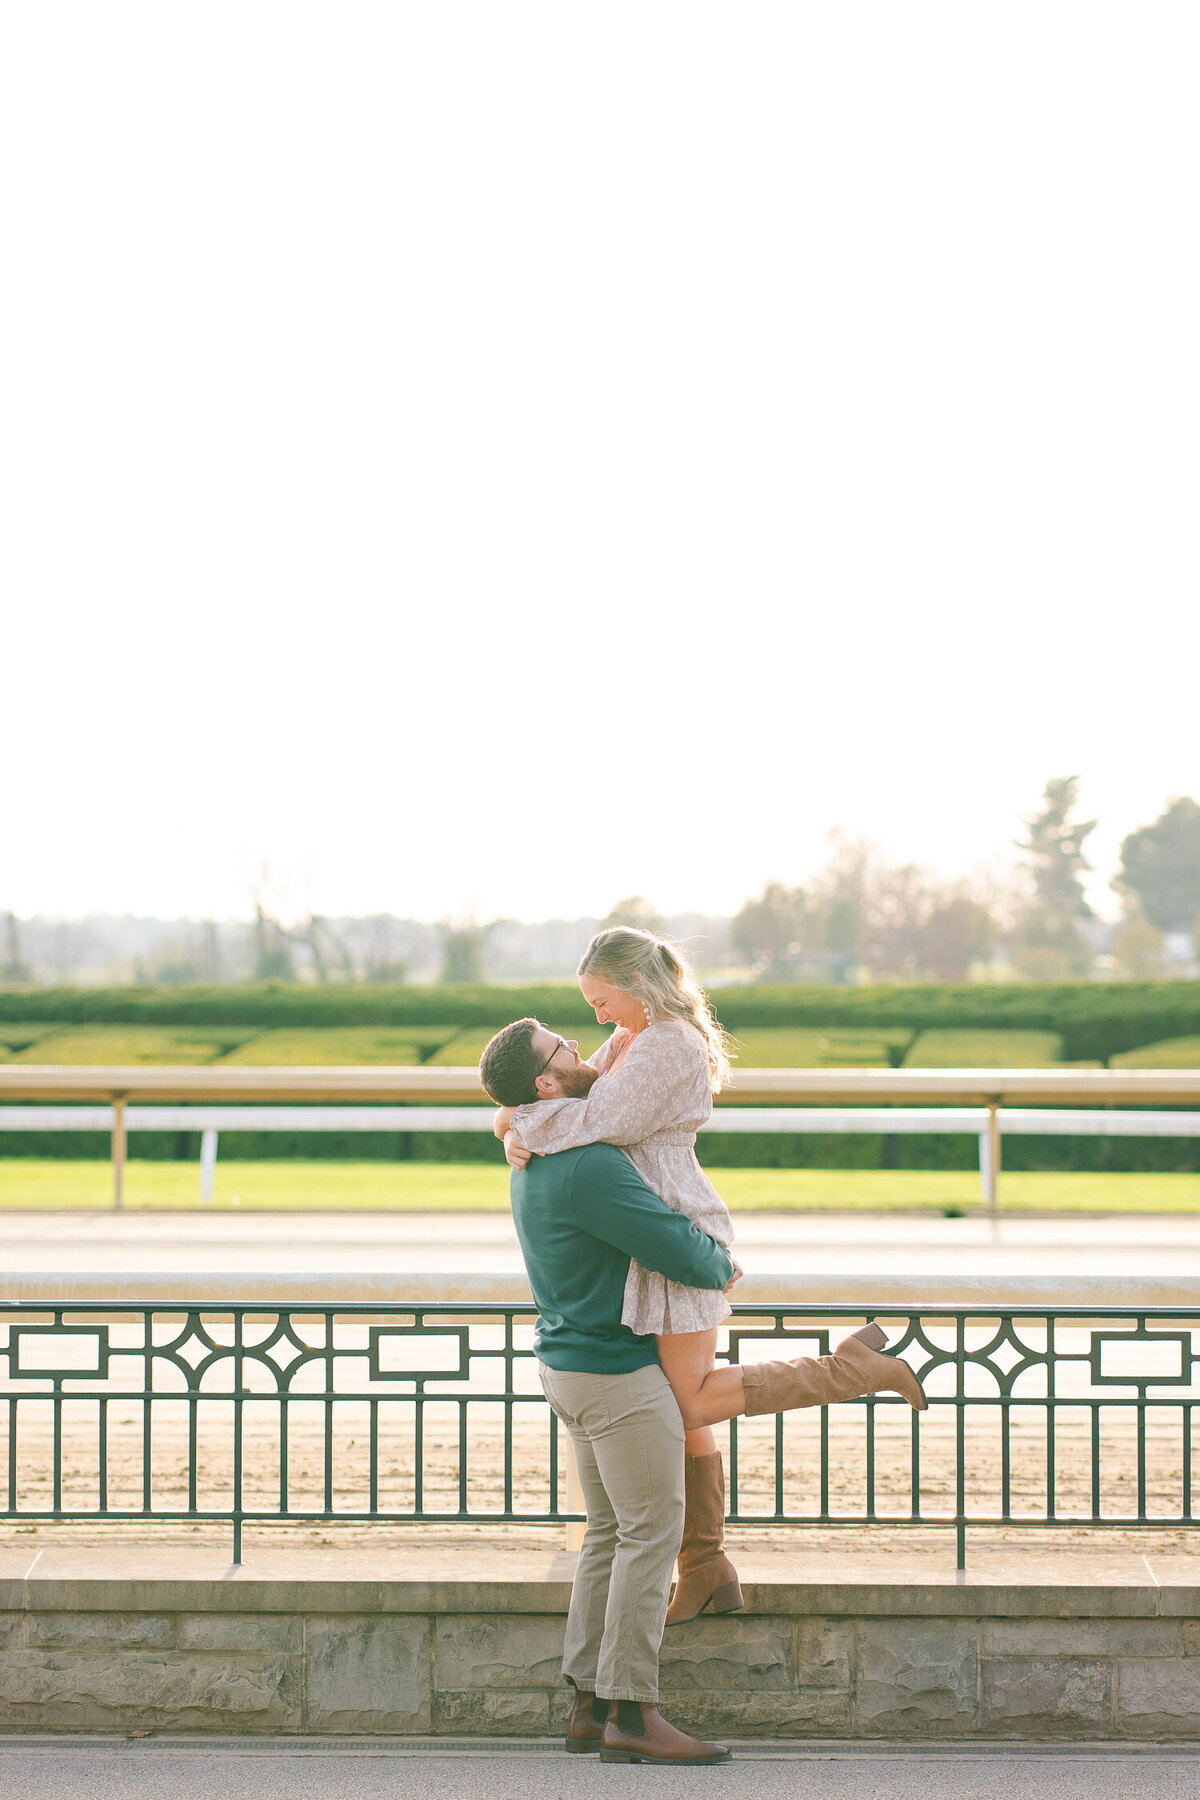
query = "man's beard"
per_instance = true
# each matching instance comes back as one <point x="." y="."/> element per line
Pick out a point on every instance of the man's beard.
<point x="575" y="1083"/>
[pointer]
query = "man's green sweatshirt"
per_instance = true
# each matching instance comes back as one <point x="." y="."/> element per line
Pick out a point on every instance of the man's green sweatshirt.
<point x="581" y="1216"/>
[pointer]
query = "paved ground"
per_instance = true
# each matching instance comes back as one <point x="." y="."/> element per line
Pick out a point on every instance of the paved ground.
<point x="768" y="1243"/>
<point x="395" y="1769"/>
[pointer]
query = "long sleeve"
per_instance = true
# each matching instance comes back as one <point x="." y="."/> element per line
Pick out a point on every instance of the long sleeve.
<point x="612" y="1202"/>
<point x="660" y="1084"/>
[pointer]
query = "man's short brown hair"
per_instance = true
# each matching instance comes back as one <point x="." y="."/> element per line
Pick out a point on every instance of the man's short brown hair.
<point x="509" y="1067"/>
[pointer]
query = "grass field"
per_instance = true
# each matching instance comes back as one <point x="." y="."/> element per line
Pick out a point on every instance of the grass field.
<point x="782" y="1048"/>
<point x="1172" y="1053"/>
<point x="15" y="1038"/>
<point x="348" y="1045"/>
<point x="465" y="1049"/>
<point x="985" y="1050"/>
<point x="779" y="1047"/>
<point x="126" y="1044"/>
<point x="474" y="1187"/>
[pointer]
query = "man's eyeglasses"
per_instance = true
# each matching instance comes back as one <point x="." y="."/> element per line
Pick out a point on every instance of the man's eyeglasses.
<point x="561" y="1044"/>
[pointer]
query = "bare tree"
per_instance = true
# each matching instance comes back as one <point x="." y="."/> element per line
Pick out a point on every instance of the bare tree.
<point x="13" y="968"/>
<point x="272" y="950"/>
<point x="769" y="931"/>
<point x="635" y="911"/>
<point x="462" y="950"/>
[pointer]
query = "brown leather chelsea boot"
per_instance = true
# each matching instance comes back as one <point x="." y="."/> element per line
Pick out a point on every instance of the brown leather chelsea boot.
<point x="639" y="1733"/>
<point x="585" y="1721"/>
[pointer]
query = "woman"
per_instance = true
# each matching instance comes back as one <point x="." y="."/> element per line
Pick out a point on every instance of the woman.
<point x="659" y="1071"/>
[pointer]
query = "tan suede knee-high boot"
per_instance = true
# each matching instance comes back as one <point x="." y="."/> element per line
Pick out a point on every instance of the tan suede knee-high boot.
<point x="855" y="1368"/>
<point x="706" y="1575"/>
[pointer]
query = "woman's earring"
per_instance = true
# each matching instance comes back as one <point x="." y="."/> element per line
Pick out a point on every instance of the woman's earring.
<point x="646" y="1010"/>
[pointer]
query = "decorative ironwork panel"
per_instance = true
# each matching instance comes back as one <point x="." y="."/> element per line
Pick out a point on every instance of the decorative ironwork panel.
<point x="411" y="1414"/>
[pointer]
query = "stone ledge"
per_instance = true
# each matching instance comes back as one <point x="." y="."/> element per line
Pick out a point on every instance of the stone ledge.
<point x="467" y="1643"/>
<point x="477" y="1579"/>
<point x="432" y="1599"/>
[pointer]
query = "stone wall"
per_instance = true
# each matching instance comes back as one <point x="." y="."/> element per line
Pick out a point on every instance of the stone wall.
<point x="408" y="1657"/>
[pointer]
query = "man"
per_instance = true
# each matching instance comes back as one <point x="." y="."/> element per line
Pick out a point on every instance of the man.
<point x="580" y="1217"/>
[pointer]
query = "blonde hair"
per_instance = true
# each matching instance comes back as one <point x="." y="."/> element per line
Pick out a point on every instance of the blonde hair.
<point x="654" y="972"/>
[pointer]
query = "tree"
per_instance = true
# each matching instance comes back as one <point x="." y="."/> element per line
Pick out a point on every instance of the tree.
<point x="842" y="895"/>
<point x="1054" y="851"/>
<point x="326" y="947"/>
<point x="918" y="929"/>
<point x="768" y="931"/>
<point x="1047" y="943"/>
<point x="958" y="931"/>
<point x="13" y="966"/>
<point x="1161" y="865"/>
<point x="462" y="951"/>
<point x="896" y="921"/>
<point x="1137" y="946"/>
<point x="382" y="961"/>
<point x="272" y="954"/>
<point x="1044" y="948"/>
<point x="636" y="912"/>
<point x="897" y="905"/>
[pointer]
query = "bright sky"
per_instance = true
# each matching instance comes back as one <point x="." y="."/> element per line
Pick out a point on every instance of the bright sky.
<point x="503" y="457"/>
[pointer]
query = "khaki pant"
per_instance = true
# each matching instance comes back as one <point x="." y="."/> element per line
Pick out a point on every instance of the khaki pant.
<point x="628" y="1437"/>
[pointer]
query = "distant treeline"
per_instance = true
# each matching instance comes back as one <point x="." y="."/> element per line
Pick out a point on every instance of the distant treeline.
<point x="1095" y="1020"/>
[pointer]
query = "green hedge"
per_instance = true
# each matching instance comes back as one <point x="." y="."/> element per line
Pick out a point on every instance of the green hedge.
<point x="273" y="1004"/>
<point x="743" y="1150"/>
<point x="1094" y="1020"/>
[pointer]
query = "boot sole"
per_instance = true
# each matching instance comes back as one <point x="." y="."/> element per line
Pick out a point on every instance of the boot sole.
<point x="726" y="1600"/>
<point x="872" y="1335"/>
<point x="577" y="1749"/>
<point x="667" y="1762"/>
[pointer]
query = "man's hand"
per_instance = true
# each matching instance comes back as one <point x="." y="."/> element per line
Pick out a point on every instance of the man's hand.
<point x="502" y="1119"/>
<point x="518" y="1156"/>
<point x="738" y="1272"/>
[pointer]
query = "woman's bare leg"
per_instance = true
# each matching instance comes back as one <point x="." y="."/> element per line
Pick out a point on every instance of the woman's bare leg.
<point x="706" y="1394"/>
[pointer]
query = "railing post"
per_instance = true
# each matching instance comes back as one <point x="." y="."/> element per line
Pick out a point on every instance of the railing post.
<point x="575" y="1501"/>
<point x="960" y="1439"/>
<point x="118" y="1151"/>
<point x="208" y="1162"/>
<point x="989" y="1158"/>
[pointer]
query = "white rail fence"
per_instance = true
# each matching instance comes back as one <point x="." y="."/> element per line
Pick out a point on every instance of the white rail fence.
<point x="211" y="1288"/>
<point x="988" y="1124"/>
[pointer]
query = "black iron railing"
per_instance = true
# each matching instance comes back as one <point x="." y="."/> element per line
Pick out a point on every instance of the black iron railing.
<point x="1072" y="1416"/>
